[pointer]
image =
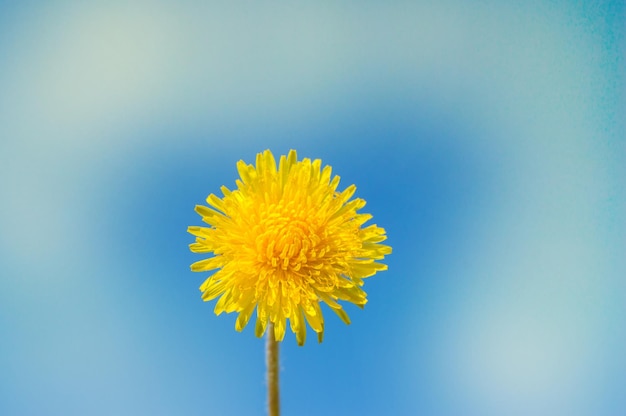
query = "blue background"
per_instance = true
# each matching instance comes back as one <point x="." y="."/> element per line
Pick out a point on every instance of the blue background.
<point x="488" y="139"/>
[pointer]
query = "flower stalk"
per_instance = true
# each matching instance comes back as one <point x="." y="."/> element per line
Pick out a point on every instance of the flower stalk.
<point x="273" y="393"/>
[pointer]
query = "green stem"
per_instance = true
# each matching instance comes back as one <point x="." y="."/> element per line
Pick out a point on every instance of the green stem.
<point x="273" y="396"/>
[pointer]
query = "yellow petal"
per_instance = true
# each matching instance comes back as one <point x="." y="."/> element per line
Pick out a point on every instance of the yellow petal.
<point x="244" y="317"/>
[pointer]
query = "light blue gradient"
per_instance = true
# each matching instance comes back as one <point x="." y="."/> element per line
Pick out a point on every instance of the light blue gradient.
<point x="488" y="139"/>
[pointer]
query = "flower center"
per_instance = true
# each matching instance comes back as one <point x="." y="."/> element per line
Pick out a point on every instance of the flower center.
<point x="286" y="240"/>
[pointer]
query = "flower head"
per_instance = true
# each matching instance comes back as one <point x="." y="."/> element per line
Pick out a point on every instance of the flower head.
<point x="283" y="242"/>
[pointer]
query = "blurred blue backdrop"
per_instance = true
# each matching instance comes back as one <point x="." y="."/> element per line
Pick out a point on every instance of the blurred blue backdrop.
<point x="488" y="139"/>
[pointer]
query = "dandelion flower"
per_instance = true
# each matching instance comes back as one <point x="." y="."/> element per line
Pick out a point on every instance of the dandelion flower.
<point x="283" y="242"/>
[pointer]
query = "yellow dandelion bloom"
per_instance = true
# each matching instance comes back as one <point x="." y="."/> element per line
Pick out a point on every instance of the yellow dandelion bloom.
<point x="284" y="241"/>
